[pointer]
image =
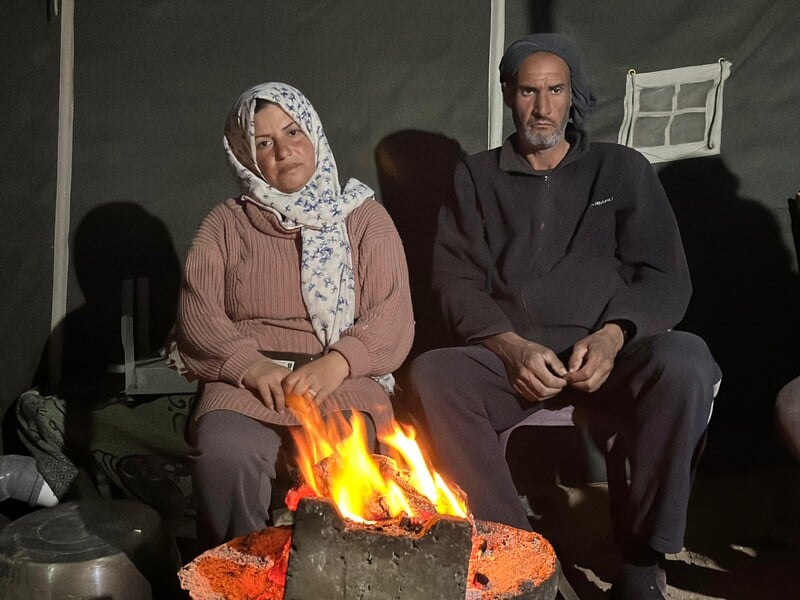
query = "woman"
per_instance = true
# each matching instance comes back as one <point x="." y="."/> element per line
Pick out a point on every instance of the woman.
<point x="295" y="264"/>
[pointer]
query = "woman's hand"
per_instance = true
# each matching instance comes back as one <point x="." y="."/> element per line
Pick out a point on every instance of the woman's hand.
<point x="318" y="378"/>
<point x="264" y="380"/>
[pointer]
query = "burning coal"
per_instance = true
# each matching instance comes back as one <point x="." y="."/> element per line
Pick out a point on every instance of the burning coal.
<point x="373" y="526"/>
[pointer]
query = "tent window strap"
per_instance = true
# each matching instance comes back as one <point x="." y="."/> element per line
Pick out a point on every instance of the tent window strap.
<point x="717" y="95"/>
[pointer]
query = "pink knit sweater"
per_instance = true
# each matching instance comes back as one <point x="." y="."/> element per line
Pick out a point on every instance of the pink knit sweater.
<point x="241" y="294"/>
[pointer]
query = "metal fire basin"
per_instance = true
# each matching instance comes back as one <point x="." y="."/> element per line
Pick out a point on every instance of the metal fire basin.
<point x="336" y="559"/>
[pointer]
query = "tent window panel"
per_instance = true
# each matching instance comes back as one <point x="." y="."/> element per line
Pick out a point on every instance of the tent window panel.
<point x="674" y="114"/>
<point x="650" y="131"/>
<point x="694" y="95"/>
<point x="656" y="99"/>
<point x="688" y="128"/>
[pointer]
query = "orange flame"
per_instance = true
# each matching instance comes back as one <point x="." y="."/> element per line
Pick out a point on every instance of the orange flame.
<point x="354" y="480"/>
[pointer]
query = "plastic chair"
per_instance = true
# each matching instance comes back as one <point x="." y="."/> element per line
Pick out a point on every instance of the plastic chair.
<point x="148" y="375"/>
<point x="588" y="452"/>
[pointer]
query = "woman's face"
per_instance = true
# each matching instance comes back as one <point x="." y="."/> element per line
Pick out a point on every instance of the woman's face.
<point x="284" y="153"/>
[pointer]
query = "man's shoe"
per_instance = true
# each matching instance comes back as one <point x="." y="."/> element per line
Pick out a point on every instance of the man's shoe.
<point x="640" y="583"/>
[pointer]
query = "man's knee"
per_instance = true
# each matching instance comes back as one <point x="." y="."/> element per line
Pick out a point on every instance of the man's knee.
<point x="688" y="375"/>
<point x="435" y="369"/>
<point x="447" y="377"/>
<point x="685" y="357"/>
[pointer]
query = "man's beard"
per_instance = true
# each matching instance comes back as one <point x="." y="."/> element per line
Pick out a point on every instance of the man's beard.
<point x="541" y="141"/>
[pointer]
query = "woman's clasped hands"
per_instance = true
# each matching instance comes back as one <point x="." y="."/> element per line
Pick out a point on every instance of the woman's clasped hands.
<point x="272" y="383"/>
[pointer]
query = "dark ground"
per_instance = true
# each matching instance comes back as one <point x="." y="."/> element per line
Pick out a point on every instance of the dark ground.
<point x="742" y="540"/>
<point x="743" y="535"/>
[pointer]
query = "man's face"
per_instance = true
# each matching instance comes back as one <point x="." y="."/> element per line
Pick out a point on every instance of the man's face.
<point x="540" y="98"/>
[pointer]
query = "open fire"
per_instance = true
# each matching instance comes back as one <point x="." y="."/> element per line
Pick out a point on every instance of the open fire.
<point x="366" y="488"/>
<point x="373" y="527"/>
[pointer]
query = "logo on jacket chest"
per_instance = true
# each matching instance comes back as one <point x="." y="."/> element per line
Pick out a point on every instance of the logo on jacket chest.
<point x="603" y="201"/>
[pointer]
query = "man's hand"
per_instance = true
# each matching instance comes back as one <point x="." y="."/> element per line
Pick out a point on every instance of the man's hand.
<point x="534" y="371"/>
<point x="319" y="377"/>
<point x="264" y="380"/>
<point x="593" y="358"/>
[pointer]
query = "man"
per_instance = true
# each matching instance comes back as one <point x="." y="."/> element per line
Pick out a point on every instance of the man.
<point x="560" y="265"/>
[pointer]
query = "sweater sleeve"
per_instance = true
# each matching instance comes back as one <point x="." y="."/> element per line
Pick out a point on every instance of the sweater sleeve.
<point x="210" y="345"/>
<point x="462" y="266"/>
<point x="381" y="337"/>
<point x="654" y="268"/>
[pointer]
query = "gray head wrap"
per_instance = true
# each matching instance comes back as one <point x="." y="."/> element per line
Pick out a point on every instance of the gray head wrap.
<point x="563" y="47"/>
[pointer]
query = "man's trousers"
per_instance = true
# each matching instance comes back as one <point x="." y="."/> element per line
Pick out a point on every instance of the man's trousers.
<point x="660" y="393"/>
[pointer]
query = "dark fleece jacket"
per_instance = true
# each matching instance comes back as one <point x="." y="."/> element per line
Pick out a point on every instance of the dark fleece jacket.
<point x="553" y="255"/>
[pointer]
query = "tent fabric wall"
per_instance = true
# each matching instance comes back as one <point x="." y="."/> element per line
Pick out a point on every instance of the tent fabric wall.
<point x="759" y="140"/>
<point x="402" y="90"/>
<point x="29" y="99"/>
<point x="153" y="84"/>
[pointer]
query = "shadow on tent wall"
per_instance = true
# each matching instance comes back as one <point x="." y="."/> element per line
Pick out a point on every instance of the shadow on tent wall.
<point x="745" y="296"/>
<point x="113" y="243"/>
<point x="415" y="174"/>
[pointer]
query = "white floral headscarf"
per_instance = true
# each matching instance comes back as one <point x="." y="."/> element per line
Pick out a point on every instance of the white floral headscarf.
<point x="319" y="209"/>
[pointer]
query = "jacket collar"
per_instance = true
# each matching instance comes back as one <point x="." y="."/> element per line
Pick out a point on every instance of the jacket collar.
<point x="512" y="161"/>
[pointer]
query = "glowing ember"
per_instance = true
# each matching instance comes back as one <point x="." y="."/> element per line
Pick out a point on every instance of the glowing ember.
<point x="336" y="463"/>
